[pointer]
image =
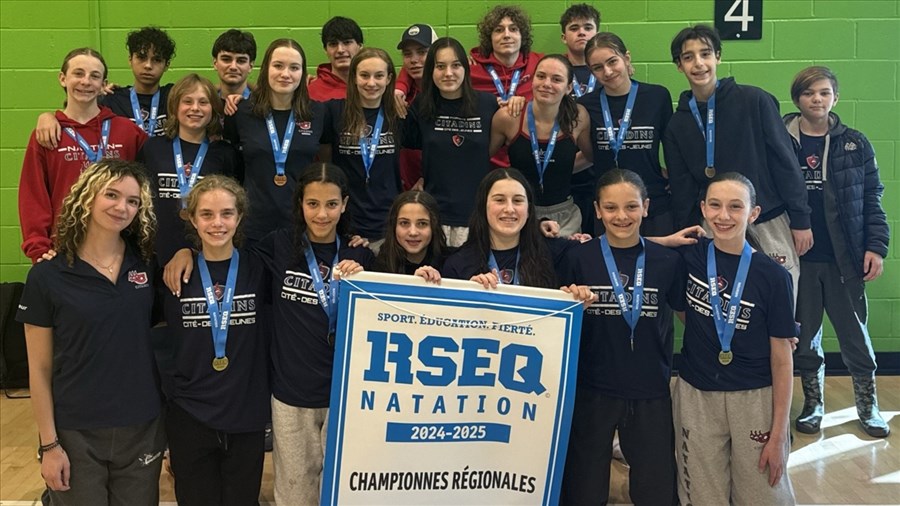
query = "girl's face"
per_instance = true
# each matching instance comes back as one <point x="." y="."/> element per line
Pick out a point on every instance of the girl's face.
<point x="507" y="208"/>
<point x="621" y="209"/>
<point x="322" y="208"/>
<point x="83" y="79"/>
<point x="115" y="207"/>
<point x="551" y="82"/>
<point x="372" y="78"/>
<point x="727" y="210"/>
<point x="611" y="69"/>
<point x="413" y="230"/>
<point x="449" y="73"/>
<point x="194" y="110"/>
<point x="216" y="218"/>
<point x="285" y="70"/>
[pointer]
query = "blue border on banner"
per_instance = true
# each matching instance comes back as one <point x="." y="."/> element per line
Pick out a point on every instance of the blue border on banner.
<point x="522" y="304"/>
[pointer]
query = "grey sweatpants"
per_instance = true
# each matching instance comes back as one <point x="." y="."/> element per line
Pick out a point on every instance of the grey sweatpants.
<point x="113" y="467"/>
<point x="298" y="453"/>
<point x="719" y="437"/>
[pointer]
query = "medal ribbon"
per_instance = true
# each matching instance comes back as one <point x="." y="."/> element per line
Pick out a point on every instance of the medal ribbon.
<point x="592" y="83"/>
<point x="184" y="183"/>
<point x="492" y="264"/>
<point x="616" y="142"/>
<point x="368" y="146"/>
<point x="246" y="92"/>
<point x="91" y="155"/>
<point x="725" y="324"/>
<point x="709" y="133"/>
<point x="280" y="153"/>
<point x="536" y="149"/>
<point x="513" y="84"/>
<point x="637" y="295"/>
<point x="139" y="118"/>
<point x="328" y="301"/>
<point x="219" y="317"/>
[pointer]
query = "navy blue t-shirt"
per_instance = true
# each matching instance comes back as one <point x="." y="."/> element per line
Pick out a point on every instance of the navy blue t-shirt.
<point x="236" y="399"/>
<point x="811" y="156"/>
<point x="606" y="362"/>
<point x="119" y="102"/>
<point x="302" y="356"/>
<point x="158" y="157"/>
<point x="271" y="205"/>
<point x="767" y="310"/>
<point x="104" y="374"/>
<point x="370" y="196"/>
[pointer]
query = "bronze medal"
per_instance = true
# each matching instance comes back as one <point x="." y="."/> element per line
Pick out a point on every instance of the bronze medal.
<point x="220" y="363"/>
<point x="710" y="172"/>
<point x="725" y="357"/>
<point x="280" y="179"/>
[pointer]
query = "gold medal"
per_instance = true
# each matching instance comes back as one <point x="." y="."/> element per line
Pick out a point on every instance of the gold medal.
<point x="725" y="357"/>
<point x="219" y="364"/>
<point x="710" y="172"/>
<point x="184" y="214"/>
<point x="280" y="179"/>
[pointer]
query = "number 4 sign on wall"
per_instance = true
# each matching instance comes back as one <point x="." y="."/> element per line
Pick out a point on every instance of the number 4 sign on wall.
<point x="739" y="19"/>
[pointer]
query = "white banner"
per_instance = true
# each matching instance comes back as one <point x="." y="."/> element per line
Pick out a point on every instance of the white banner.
<point x="450" y="394"/>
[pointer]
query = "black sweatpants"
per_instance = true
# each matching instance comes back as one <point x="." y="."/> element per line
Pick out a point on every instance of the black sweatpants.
<point x="213" y="467"/>
<point x="647" y="440"/>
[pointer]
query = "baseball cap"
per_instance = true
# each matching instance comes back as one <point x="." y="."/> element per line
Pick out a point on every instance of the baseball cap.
<point x="420" y="33"/>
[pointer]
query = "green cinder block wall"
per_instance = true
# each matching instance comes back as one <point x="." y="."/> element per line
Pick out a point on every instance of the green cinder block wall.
<point x="859" y="39"/>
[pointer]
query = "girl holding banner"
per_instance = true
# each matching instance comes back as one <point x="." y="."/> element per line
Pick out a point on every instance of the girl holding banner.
<point x="219" y="404"/>
<point x="414" y="237"/>
<point x="625" y="360"/>
<point x="733" y="395"/>
<point x="543" y="142"/>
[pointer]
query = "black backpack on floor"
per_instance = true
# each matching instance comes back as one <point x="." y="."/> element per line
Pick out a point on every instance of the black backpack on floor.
<point x="13" y="355"/>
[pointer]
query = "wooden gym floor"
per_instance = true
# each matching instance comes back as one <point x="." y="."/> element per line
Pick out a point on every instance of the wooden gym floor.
<point x="840" y="465"/>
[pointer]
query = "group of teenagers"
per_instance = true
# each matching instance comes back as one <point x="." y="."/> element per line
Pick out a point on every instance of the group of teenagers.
<point x="495" y="166"/>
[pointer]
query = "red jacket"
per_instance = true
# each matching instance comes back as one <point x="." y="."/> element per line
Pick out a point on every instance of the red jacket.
<point x="482" y="81"/>
<point x="48" y="174"/>
<point x="407" y="85"/>
<point x="410" y="159"/>
<point x="327" y="85"/>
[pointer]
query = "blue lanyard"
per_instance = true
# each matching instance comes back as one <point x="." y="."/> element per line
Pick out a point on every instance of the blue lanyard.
<point x="492" y="264"/>
<point x="368" y="146"/>
<point x="592" y="83"/>
<point x="91" y="155"/>
<point x="709" y="133"/>
<point x="637" y="295"/>
<point x="725" y="324"/>
<point x="616" y="142"/>
<point x="328" y="300"/>
<point x="185" y="182"/>
<point x="280" y="153"/>
<point x="246" y="92"/>
<point x="139" y="118"/>
<point x="502" y="93"/>
<point x="219" y="317"/>
<point x="536" y="149"/>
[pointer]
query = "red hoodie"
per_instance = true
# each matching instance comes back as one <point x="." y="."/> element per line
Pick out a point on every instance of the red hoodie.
<point x="482" y="81"/>
<point x="48" y="174"/>
<point x="410" y="159"/>
<point x="327" y="85"/>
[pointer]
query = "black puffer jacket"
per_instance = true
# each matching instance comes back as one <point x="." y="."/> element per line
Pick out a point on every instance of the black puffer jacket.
<point x="856" y="221"/>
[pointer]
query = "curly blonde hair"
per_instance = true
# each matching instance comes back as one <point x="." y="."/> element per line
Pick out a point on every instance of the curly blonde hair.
<point x="72" y="224"/>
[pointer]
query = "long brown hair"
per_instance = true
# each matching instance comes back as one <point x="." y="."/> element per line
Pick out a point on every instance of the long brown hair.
<point x="392" y="257"/>
<point x="261" y="98"/>
<point x="354" y="119"/>
<point x="568" y="108"/>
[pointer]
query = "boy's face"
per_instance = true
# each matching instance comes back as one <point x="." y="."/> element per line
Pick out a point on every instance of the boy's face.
<point x="414" y="59"/>
<point x="147" y="67"/>
<point x="577" y="33"/>
<point x="506" y="39"/>
<point x="817" y="101"/>
<point x="698" y="63"/>
<point x="340" y="52"/>
<point x="233" y="68"/>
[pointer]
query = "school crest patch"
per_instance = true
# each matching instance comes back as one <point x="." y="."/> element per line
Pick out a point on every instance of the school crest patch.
<point x="458" y="140"/>
<point x="138" y="278"/>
